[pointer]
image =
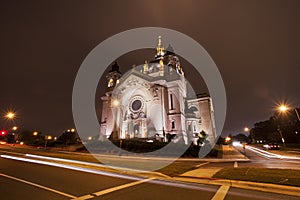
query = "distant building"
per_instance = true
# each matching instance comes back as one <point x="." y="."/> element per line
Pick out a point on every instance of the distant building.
<point x="150" y="102"/>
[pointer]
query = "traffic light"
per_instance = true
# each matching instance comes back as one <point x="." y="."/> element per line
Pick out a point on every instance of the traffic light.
<point x="3" y="132"/>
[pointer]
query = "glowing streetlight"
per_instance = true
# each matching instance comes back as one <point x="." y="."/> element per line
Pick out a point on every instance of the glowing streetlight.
<point x="90" y="138"/>
<point x="14" y="128"/>
<point x="10" y="115"/>
<point x="246" y="129"/>
<point x="283" y="108"/>
<point x="227" y="139"/>
<point x="73" y="130"/>
<point x="35" y="133"/>
<point x="47" y="137"/>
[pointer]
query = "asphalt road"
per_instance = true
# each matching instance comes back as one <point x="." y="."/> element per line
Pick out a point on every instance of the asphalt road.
<point x="258" y="161"/>
<point x="23" y="180"/>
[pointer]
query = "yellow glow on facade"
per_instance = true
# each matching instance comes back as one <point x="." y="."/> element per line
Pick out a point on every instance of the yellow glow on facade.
<point x="115" y="103"/>
<point x="160" y="49"/>
<point x="111" y="82"/>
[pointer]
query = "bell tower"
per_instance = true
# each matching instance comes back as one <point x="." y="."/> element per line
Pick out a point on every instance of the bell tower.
<point x="113" y="77"/>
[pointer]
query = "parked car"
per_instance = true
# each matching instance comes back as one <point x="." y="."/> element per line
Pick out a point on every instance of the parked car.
<point x="272" y="146"/>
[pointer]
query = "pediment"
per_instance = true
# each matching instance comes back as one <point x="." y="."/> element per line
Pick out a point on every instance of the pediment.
<point x="132" y="79"/>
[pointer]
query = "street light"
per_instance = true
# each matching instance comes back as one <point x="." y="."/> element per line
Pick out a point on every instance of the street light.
<point x="47" y="137"/>
<point x="283" y="109"/>
<point x="10" y="115"/>
<point x="117" y="107"/>
<point x="227" y="139"/>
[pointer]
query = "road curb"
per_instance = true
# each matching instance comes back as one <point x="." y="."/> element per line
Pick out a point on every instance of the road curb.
<point x="264" y="187"/>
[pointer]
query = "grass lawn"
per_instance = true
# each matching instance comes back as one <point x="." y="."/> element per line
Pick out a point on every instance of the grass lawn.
<point x="276" y="176"/>
<point x="178" y="167"/>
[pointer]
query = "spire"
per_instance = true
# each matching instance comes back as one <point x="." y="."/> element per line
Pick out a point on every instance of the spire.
<point x="145" y="69"/>
<point x="160" y="51"/>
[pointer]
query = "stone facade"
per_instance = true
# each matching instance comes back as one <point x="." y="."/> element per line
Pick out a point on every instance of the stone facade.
<point x="150" y="102"/>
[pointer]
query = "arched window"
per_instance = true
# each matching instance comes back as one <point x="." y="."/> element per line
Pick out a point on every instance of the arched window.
<point x="173" y="124"/>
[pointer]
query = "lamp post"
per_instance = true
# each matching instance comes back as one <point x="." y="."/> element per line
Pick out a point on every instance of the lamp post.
<point x="47" y="137"/>
<point x="116" y="104"/>
<point x="15" y="135"/>
<point x="10" y="116"/>
<point x="283" y="109"/>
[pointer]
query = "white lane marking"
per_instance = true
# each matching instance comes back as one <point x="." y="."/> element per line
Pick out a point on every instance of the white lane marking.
<point x="37" y="185"/>
<point x="121" y="187"/>
<point x="88" y="196"/>
<point x="200" y="165"/>
<point x="235" y="164"/>
<point x="221" y="193"/>
<point x="70" y="167"/>
<point x="86" y="163"/>
<point x="64" y="160"/>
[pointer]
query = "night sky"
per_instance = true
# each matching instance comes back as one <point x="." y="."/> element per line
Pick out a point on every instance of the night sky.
<point x="255" y="45"/>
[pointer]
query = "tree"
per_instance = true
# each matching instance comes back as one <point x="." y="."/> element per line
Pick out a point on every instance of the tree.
<point x="241" y="137"/>
<point x="67" y="138"/>
<point x="268" y="130"/>
<point x="201" y="138"/>
<point x="29" y="138"/>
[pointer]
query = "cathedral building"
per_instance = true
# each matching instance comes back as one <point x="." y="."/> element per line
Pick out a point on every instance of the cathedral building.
<point x="151" y="102"/>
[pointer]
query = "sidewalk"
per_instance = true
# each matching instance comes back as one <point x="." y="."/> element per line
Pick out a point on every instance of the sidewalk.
<point x="230" y="154"/>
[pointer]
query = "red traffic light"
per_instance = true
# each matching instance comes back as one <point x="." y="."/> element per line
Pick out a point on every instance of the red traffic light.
<point x="3" y="132"/>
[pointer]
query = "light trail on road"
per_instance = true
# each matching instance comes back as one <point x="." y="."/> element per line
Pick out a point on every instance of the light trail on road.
<point x="270" y="155"/>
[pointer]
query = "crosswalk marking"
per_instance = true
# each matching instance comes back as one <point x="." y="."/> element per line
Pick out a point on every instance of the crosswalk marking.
<point x="37" y="185"/>
<point x="235" y="164"/>
<point x="109" y="190"/>
<point x="121" y="187"/>
<point x="221" y="193"/>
